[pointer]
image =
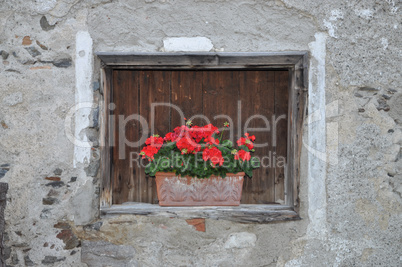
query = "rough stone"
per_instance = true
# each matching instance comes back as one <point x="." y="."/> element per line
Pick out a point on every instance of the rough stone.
<point x="395" y="107"/>
<point x="42" y="46"/>
<point x="33" y="51"/>
<point x="73" y="179"/>
<point x="28" y="261"/>
<point x="69" y="238"/>
<point x="14" y="259"/>
<point x="45" y="24"/>
<point x="101" y="253"/>
<point x="62" y="63"/>
<point x="95" y="86"/>
<point x="26" y="40"/>
<point x="56" y="184"/>
<point x="94" y="226"/>
<point x="50" y="201"/>
<point x="4" y="168"/>
<point x="58" y="171"/>
<point x="85" y="204"/>
<point x="45" y="213"/>
<point x="4" y="54"/>
<point x="48" y="260"/>
<point x="93" y="168"/>
<point x="7" y="253"/>
<point x="62" y="225"/>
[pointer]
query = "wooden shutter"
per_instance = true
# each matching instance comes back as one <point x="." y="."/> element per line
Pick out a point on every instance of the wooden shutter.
<point x="208" y="92"/>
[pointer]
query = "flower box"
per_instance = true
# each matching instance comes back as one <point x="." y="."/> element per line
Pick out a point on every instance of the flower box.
<point x="174" y="190"/>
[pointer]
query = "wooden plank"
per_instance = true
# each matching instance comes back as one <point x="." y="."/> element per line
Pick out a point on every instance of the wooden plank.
<point x="257" y="96"/>
<point x="187" y="95"/>
<point x="154" y="88"/>
<point x="292" y="154"/>
<point x="125" y="98"/>
<point x="106" y="185"/>
<point x="300" y="95"/>
<point x="221" y="93"/>
<point x="280" y="131"/>
<point x="242" y="214"/>
<point x="201" y="59"/>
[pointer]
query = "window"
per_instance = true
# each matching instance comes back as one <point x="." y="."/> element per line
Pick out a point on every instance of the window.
<point x="263" y="91"/>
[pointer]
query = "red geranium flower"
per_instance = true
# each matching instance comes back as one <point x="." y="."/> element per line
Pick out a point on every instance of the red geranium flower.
<point x="155" y="141"/>
<point x="213" y="154"/>
<point x="248" y="141"/>
<point x="243" y="155"/>
<point x="149" y="151"/>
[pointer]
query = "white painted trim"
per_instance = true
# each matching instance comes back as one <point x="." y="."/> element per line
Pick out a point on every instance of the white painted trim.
<point x="83" y="94"/>
<point x="316" y="144"/>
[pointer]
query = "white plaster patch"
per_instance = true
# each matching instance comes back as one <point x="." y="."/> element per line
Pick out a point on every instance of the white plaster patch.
<point x="317" y="138"/>
<point x="13" y="99"/>
<point x="187" y="44"/>
<point x="44" y="6"/>
<point x="364" y="13"/>
<point x="335" y="15"/>
<point x="331" y="28"/>
<point x="241" y="240"/>
<point x="83" y="95"/>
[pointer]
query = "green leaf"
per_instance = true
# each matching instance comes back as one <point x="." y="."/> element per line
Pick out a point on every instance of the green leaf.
<point x="249" y="173"/>
<point x="227" y="143"/>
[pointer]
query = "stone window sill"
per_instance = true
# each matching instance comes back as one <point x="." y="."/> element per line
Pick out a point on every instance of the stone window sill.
<point x="246" y="213"/>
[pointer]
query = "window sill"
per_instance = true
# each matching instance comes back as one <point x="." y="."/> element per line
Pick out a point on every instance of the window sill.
<point x="245" y="213"/>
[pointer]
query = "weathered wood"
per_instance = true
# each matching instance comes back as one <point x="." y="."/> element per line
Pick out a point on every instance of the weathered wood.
<point x="3" y="202"/>
<point x="106" y="185"/>
<point x="154" y="88"/>
<point x="281" y="132"/>
<point x="205" y="60"/>
<point x="257" y="104"/>
<point x="242" y="213"/>
<point x="187" y="95"/>
<point x="220" y="96"/>
<point x="125" y="98"/>
<point x="301" y="74"/>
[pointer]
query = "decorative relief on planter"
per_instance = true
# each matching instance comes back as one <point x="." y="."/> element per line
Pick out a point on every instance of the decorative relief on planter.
<point x="174" y="190"/>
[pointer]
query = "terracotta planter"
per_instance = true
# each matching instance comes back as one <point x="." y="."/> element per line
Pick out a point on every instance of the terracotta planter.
<point x="174" y="190"/>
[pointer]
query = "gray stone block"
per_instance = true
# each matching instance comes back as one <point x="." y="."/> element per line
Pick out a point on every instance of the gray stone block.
<point x="102" y="254"/>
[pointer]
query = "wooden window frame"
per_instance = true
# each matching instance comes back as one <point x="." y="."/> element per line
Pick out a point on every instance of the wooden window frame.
<point x="297" y="65"/>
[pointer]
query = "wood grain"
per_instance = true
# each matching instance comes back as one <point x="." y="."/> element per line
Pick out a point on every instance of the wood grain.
<point x="104" y="137"/>
<point x="215" y="94"/>
<point x="281" y="132"/>
<point x="242" y="214"/>
<point x="258" y="100"/>
<point x="154" y="88"/>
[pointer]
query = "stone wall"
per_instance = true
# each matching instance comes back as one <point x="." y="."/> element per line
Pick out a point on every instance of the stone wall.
<point x="351" y="185"/>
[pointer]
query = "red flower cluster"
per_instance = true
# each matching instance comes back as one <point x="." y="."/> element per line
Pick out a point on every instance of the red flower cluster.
<point x="188" y="139"/>
<point x="154" y="143"/>
<point x="205" y="132"/>
<point x="248" y="141"/>
<point x="187" y="145"/>
<point x="213" y="154"/>
<point x="243" y="155"/>
<point x="197" y="139"/>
